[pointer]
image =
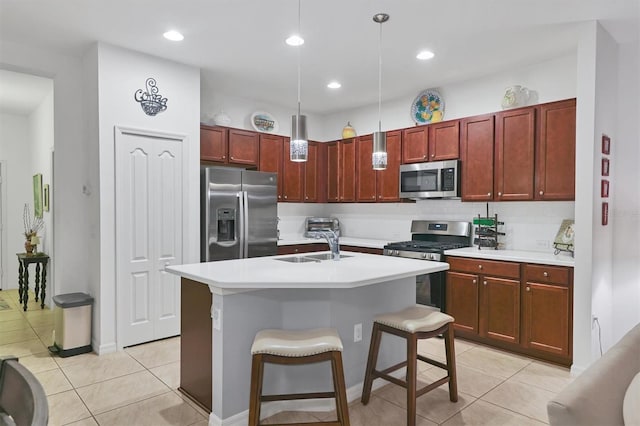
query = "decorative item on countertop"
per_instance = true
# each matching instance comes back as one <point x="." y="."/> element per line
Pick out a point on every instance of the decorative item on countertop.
<point x="32" y="224"/>
<point x="264" y="122"/>
<point x="427" y="107"/>
<point x="348" y="131"/>
<point x="487" y="231"/>
<point x="515" y="96"/>
<point x="151" y="102"/>
<point x="564" y="238"/>
<point x="222" y="118"/>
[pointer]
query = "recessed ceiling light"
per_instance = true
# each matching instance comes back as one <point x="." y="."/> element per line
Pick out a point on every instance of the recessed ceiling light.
<point x="173" y="36"/>
<point x="424" y="55"/>
<point x="295" y="40"/>
<point x="334" y="85"/>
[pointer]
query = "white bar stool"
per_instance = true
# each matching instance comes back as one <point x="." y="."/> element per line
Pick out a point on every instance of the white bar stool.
<point x="413" y="323"/>
<point x="291" y="347"/>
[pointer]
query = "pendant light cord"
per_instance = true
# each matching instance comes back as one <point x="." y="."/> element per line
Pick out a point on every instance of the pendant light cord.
<point x="380" y="80"/>
<point x="299" y="49"/>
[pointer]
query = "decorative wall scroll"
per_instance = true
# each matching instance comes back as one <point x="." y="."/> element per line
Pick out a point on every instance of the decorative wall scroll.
<point x="151" y="102"/>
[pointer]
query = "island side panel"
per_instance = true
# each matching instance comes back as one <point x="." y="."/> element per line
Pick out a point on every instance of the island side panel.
<point x="196" y="342"/>
<point x="246" y="313"/>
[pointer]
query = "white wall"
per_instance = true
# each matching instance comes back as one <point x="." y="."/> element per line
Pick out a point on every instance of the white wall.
<point x="120" y="73"/>
<point x="41" y="141"/>
<point x="625" y="178"/>
<point x="552" y="80"/>
<point x="15" y="153"/>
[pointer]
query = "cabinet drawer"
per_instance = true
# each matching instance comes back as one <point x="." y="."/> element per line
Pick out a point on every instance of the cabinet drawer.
<point x="485" y="267"/>
<point x="547" y="274"/>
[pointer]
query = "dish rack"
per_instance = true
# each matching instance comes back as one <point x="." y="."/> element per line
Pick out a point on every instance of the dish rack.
<point x="487" y="231"/>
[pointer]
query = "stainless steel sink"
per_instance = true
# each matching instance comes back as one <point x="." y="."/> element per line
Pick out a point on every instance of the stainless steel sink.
<point x="325" y="256"/>
<point x="297" y="259"/>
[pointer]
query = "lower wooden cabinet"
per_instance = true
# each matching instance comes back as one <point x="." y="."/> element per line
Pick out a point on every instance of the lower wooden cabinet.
<point x="527" y="308"/>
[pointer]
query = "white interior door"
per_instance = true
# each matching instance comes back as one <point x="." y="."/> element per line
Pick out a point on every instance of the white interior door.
<point x="148" y="234"/>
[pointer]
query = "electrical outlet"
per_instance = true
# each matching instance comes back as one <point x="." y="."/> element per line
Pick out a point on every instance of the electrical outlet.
<point x="357" y="332"/>
<point x="542" y="243"/>
<point x="217" y="319"/>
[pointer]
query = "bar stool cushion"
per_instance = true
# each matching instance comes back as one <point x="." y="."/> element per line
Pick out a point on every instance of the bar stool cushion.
<point x="296" y="343"/>
<point x="415" y="319"/>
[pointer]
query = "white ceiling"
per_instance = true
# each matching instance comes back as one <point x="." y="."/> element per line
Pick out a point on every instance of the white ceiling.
<point x="239" y="44"/>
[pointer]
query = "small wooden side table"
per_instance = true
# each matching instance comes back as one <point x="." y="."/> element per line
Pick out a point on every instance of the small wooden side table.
<point x="24" y="260"/>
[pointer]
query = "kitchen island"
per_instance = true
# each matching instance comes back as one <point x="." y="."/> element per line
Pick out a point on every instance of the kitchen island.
<point x="225" y="303"/>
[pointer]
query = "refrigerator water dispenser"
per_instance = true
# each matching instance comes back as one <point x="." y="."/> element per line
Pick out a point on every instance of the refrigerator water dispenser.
<point x="226" y="224"/>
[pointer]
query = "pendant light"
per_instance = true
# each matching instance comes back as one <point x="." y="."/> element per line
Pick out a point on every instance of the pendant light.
<point x="298" y="147"/>
<point x="379" y="156"/>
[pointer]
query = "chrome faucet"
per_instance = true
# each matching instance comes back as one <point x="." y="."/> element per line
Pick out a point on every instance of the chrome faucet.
<point x="332" y="239"/>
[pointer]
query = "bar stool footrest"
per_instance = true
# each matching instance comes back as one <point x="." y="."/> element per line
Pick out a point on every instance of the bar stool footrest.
<point x="432" y="361"/>
<point x="292" y="396"/>
<point x="307" y="424"/>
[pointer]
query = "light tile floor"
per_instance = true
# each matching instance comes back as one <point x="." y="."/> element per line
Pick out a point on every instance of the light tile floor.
<point x="138" y="386"/>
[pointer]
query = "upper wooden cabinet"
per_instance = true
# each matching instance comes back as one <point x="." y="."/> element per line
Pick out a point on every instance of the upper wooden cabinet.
<point x="366" y="188"/>
<point x="477" y="136"/>
<point x="514" y="154"/>
<point x="271" y="148"/>
<point x="333" y="171"/>
<point x="432" y="142"/>
<point x="415" y="145"/>
<point x="378" y="185"/>
<point x="347" y="172"/>
<point x="229" y="146"/>
<point x="244" y="147"/>
<point x="556" y="151"/>
<point x="444" y="140"/>
<point x="314" y="182"/>
<point x="213" y="143"/>
<point x="292" y="177"/>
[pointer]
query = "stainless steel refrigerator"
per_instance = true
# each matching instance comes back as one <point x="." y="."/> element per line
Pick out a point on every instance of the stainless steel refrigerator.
<point x="238" y="213"/>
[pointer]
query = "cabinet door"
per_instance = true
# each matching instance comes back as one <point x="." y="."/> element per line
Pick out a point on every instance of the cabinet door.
<point x="500" y="309"/>
<point x="311" y="174"/>
<point x="333" y="174"/>
<point x="213" y="143"/>
<point x="514" y="156"/>
<point x="462" y="300"/>
<point x="243" y="147"/>
<point x="546" y="318"/>
<point x="366" y="181"/>
<point x="292" y="177"/>
<point x="477" y="158"/>
<point x="415" y="144"/>
<point x="388" y="181"/>
<point x="444" y="141"/>
<point x="556" y="151"/>
<point x="347" y="182"/>
<point x="271" y="154"/>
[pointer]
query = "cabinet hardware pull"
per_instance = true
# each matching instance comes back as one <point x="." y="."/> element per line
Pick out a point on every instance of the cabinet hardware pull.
<point x="546" y="274"/>
<point x="488" y="194"/>
<point x="224" y="156"/>
<point x="475" y="281"/>
<point x="433" y="155"/>
<point x="479" y="266"/>
<point x="485" y="283"/>
<point x="285" y="197"/>
<point x="541" y="192"/>
<point x="232" y="158"/>
<point x="499" y="194"/>
<point x="528" y="288"/>
<point x="424" y="157"/>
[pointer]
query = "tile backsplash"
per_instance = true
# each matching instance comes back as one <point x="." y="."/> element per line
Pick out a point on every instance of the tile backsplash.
<point x="528" y="225"/>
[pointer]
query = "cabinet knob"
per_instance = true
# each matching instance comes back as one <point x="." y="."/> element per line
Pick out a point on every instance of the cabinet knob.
<point x="306" y="198"/>
<point x="433" y="155"/>
<point x="373" y="197"/>
<point x="545" y="273"/>
<point x="231" y="158"/>
<point x="475" y="281"/>
<point x="541" y="192"/>
<point x="499" y="194"/>
<point x="488" y="194"/>
<point x="285" y="197"/>
<point x="224" y="156"/>
<point x="528" y="288"/>
<point x="295" y="250"/>
<point x="485" y="283"/>
<point x="479" y="266"/>
<point x="424" y="157"/>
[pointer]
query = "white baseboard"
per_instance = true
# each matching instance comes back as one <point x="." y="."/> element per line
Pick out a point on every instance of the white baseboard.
<point x="103" y="349"/>
<point x="271" y="408"/>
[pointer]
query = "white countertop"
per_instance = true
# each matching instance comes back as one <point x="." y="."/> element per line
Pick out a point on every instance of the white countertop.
<point x="268" y="272"/>
<point x="562" y="259"/>
<point x="289" y="240"/>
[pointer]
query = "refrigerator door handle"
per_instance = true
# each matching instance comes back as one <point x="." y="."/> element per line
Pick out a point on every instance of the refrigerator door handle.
<point x="241" y="224"/>
<point x="245" y="223"/>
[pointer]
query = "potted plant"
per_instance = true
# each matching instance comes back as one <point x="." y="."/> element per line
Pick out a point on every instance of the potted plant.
<point x="32" y="225"/>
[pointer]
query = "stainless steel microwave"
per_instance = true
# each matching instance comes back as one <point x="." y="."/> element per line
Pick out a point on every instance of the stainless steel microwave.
<point x="436" y="179"/>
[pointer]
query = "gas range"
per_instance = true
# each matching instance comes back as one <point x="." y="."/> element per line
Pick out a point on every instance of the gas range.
<point x="430" y="239"/>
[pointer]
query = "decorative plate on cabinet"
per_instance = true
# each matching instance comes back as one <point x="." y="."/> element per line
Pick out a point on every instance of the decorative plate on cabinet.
<point x="427" y="107"/>
<point x="264" y="122"/>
